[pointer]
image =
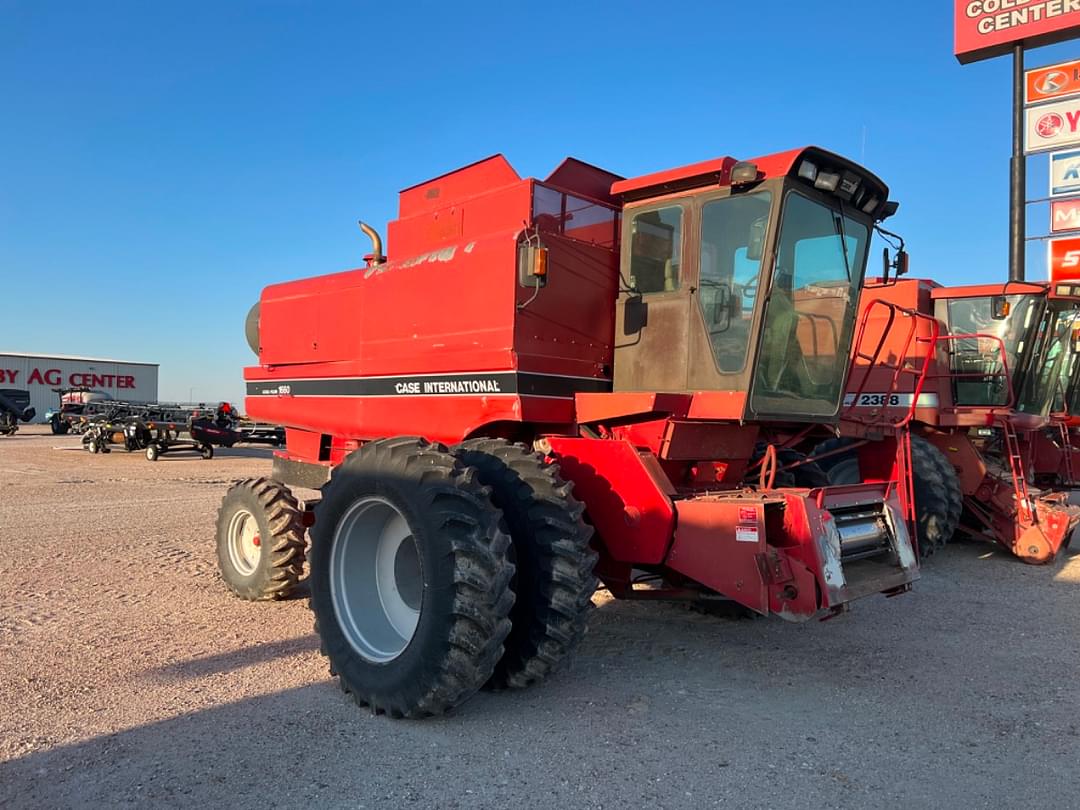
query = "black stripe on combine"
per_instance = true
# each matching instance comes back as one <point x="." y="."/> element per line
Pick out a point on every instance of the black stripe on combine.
<point x="551" y="385"/>
<point x="407" y="385"/>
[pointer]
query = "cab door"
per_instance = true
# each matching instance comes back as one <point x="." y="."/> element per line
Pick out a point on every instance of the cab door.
<point x="653" y="309"/>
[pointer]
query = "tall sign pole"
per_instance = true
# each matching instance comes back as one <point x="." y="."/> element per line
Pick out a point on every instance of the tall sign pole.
<point x="983" y="29"/>
<point x="1017" y="172"/>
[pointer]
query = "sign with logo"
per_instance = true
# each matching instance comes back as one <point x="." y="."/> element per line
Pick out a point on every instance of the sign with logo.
<point x="1052" y="126"/>
<point x="1065" y="173"/>
<point x="1052" y="82"/>
<point x="985" y="28"/>
<point x="1065" y="215"/>
<point x="1064" y="258"/>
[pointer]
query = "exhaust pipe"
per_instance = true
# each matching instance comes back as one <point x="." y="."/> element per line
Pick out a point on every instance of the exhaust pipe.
<point x="377" y="256"/>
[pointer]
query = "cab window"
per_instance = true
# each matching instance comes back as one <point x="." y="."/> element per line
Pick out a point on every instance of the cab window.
<point x="656" y="250"/>
<point x="732" y="235"/>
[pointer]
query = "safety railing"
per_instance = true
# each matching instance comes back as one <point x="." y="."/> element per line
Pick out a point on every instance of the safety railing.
<point x="1004" y="374"/>
<point x="882" y="403"/>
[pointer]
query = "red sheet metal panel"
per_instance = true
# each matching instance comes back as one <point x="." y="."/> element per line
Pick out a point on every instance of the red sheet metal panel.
<point x="627" y="503"/>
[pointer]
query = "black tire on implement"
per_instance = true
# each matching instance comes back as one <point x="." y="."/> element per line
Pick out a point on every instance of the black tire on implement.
<point x="932" y="506"/>
<point x="953" y="492"/>
<point x="807" y="474"/>
<point x="554" y="580"/>
<point x="279" y="565"/>
<point x="465" y="571"/>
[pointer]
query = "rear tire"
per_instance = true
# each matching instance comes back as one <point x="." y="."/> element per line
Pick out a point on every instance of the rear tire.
<point x="260" y="540"/>
<point x="206" y="451"/>
<point x="554" y="581"/>
<point x="456" y="578"/>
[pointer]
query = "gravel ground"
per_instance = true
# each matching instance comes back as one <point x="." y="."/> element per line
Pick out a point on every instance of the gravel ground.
<point x="129" y="676"/>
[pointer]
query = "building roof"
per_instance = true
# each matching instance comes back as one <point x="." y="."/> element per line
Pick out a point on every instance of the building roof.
<point x="45" y="356"/>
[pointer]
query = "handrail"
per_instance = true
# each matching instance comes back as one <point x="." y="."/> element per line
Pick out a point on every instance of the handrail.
<point x="902" y="367"/>
<point x="1010" y="401"/>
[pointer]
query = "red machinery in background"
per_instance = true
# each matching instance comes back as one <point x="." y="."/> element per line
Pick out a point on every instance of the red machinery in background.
<point x="983" y="408"/>
<point x="659" y="343"/>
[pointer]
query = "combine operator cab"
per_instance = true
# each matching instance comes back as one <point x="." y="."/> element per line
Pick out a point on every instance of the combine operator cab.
<point x="621" y="369"/>
<point x="732" y="336"/>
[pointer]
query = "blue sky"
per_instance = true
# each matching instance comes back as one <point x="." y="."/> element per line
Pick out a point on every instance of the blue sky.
<point x="161" y="163"/>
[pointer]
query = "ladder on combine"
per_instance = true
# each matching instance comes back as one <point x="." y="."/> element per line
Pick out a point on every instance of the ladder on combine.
<point x="1067" y="451"/>
<point x="1014" y="453"/>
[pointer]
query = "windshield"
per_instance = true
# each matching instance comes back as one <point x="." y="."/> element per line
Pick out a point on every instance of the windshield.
<point x="1071" y="398"/>
<point x="976" y="363"/>
<point x="1052" y="387"/>
<point x="810" y="313"/>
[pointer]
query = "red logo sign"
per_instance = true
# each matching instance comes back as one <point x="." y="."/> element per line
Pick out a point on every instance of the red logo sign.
<point x="985" y="28"/>
<point x="1065" y="215"/>
<point x="1065" y="258"/>
<point x="1049" y="125"/>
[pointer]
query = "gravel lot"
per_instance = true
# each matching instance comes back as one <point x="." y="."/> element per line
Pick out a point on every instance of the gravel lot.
<point x="129" y="676"/>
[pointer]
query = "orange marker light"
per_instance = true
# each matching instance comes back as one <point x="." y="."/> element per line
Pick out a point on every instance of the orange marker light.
<point x="540" y="259"/>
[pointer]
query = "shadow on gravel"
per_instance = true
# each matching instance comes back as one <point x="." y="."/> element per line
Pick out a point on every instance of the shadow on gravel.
<point x="237" y="659"/>
<point x="215" y="757"/>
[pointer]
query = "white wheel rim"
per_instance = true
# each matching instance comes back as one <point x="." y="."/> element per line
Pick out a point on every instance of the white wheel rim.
<point x="245" y="545"/>
<point x="376" y="579"/>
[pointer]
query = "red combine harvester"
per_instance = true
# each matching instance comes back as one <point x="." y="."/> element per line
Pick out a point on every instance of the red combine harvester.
<point x="620" y="367"/>
<point x="998" y="354"/>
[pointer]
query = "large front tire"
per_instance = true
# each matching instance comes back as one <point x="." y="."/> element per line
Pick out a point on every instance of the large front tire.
<point x="554" y="580"/>
<point x="410" y="578"/>
<point x="260" y="540"/>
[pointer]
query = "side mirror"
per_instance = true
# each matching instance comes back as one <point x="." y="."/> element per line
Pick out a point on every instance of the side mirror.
<point x="901" y="262"/>
<point x="999" y="307"/>
<point x="898" y="265"/>
<point x="1075" y="341"/>
<point x="635" y="315"/>
<point x="756" y="246"/>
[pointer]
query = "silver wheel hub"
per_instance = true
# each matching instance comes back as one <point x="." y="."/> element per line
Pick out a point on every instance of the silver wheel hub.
<point x="245" y="544"/>
<point x="376" y="581"/>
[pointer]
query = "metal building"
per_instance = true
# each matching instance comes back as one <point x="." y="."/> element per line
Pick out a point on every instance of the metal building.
<point x="41" y="373"/>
